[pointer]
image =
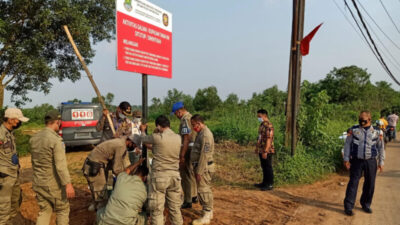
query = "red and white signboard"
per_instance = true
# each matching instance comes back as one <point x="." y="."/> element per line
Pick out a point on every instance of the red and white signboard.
<point x="144" y="38"/>
<point x="82" y="114"/>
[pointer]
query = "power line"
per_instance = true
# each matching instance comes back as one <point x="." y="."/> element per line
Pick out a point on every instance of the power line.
<point x="373" y="43"/>
<point x="362" y="32"/>
<point x="390" y="17"/>
<point x="376" y="24"/>
<point x="348" y="20"/>
<point x="392" y="59"/>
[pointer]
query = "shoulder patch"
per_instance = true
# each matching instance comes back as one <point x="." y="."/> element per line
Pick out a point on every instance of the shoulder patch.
<point x="207" y="147"/>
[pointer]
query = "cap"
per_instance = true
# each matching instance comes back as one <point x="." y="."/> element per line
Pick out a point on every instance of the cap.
<point x="176" y="106"/>
<point x="137" y="113"/>
<point x="52" y="115"/>
<point x="14" y="113"/>
<point x="125" y="108"/>
<point x="135" y="138"/>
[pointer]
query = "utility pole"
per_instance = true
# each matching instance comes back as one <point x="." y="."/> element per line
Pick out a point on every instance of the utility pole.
<point x="293" y="100"/>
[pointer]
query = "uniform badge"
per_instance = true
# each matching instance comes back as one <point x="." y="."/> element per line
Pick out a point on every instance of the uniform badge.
<point x="207" y="147"/>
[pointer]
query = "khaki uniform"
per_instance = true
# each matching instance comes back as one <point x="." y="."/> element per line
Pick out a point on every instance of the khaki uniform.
<point x="188" y="180"/>
<point x="165" y="182"/>
<point x="50" y="175"/>
<point x="126" y="202"/>
<point x="123" y="127"/>
<point x="10" y="191"/>
<point x="203" y="164"/>
<point x="109" y="155"/>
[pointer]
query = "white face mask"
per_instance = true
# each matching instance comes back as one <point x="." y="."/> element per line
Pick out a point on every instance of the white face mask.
<point x="260" y="119"/>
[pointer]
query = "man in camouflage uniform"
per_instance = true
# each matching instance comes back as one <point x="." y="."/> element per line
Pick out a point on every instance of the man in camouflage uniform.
<point x="122" y="124"/>
<point x="185" y="168"/>
<point x="51" y="180"/>
<point x="265" y="150"/>
<point x="107" y="156"/>
<point x="10" y="191"/>
<point x="125" y="206"/>
<point x="203" y="164"/>
<point x="165" y="183"/>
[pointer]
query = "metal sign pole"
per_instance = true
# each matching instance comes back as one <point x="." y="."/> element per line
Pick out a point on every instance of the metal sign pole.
<point x="145" y="113"/>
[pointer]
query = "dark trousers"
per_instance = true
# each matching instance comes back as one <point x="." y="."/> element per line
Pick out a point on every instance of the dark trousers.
<point x="268" y="173"/>
<point x="357" y="166"/>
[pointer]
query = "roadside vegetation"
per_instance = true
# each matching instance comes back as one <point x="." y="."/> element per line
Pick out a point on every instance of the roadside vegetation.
<point x="328" y="108"/>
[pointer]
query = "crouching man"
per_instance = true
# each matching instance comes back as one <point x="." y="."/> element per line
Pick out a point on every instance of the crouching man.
<point x="128" y="198"/>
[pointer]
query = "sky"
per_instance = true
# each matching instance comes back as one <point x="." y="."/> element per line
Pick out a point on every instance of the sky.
<point x="240" y="47"/>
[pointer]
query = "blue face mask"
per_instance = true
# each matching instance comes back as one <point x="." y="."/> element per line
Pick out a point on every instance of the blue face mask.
<point x="260" y="120"/>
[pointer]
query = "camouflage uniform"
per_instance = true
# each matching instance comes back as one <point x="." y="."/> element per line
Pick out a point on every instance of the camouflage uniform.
<point x="188" y="180"/>
<point x="165" y="182"/>
<point x="126" y="202"/>
<point x="203" y="164"/>
<point x="50" y="175"/>
<point x="108" y="155"/>
<point x="123" y="127"/>
<point x="10" y="191"/>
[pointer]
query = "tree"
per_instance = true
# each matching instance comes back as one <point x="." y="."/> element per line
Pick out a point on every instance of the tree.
<point x="231" y="100"/>
<point x="346" y="84"/>
<point x="75" y="100"/>
<point x="175" y="96"/>
<point x="34" y="47"/>
<point x="206" y="99"/>
<point x="107" y="100"/>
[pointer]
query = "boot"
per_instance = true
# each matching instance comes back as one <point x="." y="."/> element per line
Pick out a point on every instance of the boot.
<point x="206" y="219"/>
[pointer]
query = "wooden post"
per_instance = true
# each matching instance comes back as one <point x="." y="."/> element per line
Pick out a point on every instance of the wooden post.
<point x="78" y="54"/>
<point x="293" y="102"/>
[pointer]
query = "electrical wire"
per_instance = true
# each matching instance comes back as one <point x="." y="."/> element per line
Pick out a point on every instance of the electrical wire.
<point x="373" y="42"/>
<point x="376" y="24"/>
<point x="390" y="17"/>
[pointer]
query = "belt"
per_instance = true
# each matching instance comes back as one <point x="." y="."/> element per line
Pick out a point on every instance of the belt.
<point x="90" y="163"/>
<point x="208" y="163"/>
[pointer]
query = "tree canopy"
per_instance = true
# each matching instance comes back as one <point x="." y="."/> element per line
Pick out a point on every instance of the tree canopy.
<point x="34" y="48"/>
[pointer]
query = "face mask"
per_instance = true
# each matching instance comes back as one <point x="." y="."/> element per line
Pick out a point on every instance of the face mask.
<point x="17" y="126"/>
<point x="136" y="120"/>
<point x="362" y="122"/>
<point x="121" y="116"/>
<point x="260" y="119"/>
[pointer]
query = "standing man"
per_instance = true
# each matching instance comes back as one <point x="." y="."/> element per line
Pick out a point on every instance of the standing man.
<point x="185" y="168"/>
<point x="51" y="180"/>
<point x="363" y="146"/>
<point x="125" y="206"/>
<point x="107" y="156"/>
<point x="10" y="191"/>
<point x="265" y="150"/>
<point x="203" y="165"/>
<point x="165" y="183"/>
<point x="122" y="124"/>
<point x="392" y="122"/>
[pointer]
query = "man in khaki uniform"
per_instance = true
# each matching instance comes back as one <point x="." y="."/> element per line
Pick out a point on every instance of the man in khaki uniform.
<point x="125" y="206"/>
<point x="185" y="167"/>
<point x="203" y="164"/>
<point x="10" y="191"/>
<point x="51" y="180"/>
<point x="165" y="183"/>
<point x="109" y="155"/>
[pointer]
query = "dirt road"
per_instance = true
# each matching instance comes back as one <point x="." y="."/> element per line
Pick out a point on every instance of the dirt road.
<point x="319" y="203"/>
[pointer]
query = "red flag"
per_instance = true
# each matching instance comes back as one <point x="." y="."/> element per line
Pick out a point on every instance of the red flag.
<point x="305" y="43"/>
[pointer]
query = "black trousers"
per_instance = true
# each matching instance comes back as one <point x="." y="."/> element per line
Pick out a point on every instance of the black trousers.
<point x="357" y="166"/>
<point x="268" y="173"/>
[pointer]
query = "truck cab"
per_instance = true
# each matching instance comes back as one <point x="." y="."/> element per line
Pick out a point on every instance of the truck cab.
<point x="78" y="126"/>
